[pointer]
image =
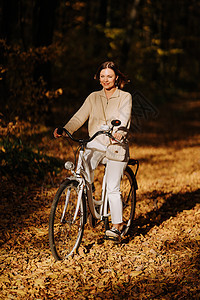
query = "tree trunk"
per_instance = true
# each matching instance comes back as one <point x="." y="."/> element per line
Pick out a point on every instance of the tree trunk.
<point x="129" y="33"/>
<point x="9" y="23"/>
<point x="43" y="26"/>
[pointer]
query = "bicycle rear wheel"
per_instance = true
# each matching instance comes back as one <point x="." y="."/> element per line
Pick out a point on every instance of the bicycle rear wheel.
<point x="128" y="196"/>
<point x="65" y="234"/>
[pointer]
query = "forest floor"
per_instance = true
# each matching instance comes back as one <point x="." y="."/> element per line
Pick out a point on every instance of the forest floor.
<point x="159" y="261"/>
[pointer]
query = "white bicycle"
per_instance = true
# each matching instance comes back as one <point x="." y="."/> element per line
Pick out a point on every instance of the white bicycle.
<point x="74" y="203"/>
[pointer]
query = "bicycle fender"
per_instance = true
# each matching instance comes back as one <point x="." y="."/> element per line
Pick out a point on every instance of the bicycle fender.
<point x="135" y="183"/>
<point x="130" y="171"/>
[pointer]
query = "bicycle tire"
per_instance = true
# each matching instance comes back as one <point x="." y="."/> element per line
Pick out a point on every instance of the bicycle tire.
<point x="65" y="236"/>
<point x="128" y="196"/>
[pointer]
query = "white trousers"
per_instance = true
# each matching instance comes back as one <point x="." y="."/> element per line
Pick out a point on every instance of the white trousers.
<point x="115" y="170"/>
<point x="114" y="173"/>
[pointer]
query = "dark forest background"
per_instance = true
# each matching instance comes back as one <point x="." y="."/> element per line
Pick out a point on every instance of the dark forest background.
<point x="50" y="50"/>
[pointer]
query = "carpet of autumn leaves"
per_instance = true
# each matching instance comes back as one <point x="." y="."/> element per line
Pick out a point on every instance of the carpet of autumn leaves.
<point x="159" y="261"/>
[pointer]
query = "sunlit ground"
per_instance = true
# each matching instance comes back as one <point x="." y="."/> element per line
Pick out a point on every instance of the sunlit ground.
<point x="159" y="261"/>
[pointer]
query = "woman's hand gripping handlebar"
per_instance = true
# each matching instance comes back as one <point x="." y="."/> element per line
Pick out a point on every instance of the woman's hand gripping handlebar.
<point x="58" y="132"/>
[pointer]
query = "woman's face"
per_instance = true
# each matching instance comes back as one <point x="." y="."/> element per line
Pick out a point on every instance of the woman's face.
<point x="108" y="78"/>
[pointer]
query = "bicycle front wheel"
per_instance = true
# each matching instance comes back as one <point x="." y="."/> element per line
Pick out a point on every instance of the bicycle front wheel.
<point x="128" y="196"/>
<point x="65" y="230"/>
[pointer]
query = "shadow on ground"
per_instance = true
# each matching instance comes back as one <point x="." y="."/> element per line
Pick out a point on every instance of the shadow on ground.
<point x="172" y="206"/>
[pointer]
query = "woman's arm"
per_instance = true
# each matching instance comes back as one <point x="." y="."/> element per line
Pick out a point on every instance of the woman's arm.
<point x="80" y="117"/>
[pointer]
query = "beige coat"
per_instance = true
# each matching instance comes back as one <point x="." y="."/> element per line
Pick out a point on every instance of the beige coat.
<point x="96" y="108"/>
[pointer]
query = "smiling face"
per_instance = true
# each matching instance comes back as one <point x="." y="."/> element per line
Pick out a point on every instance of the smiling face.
<point x="108" y="78"/>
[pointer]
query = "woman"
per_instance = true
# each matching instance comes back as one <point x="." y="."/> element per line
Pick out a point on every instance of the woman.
<point x="100" y="108"/>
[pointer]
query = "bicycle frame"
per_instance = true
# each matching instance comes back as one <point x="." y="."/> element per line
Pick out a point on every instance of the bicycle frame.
<point x="83" y="177"/>
<point x="68" y="214"/>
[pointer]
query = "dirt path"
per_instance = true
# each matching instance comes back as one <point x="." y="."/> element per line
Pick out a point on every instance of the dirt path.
<point x="160" y="260"/>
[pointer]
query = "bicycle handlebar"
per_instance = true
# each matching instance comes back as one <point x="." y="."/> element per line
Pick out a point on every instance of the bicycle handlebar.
<point x="82" y="141"/>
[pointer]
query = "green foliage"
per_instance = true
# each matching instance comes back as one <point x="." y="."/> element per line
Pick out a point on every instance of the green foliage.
<point x="19" y="161"/>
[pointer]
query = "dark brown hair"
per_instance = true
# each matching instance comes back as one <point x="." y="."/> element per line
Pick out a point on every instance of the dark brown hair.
<point x="122" y="79"/>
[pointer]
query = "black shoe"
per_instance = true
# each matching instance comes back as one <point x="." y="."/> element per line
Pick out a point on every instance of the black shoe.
<point x="113" y="233"/>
